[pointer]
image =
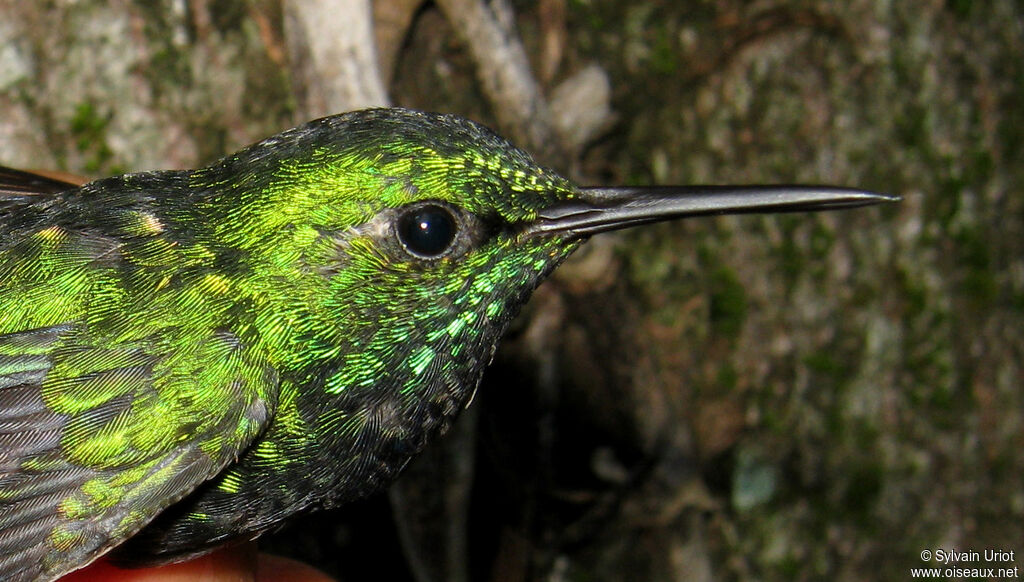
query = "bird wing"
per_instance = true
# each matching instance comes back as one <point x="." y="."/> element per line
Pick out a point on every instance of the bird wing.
<point x="14" y="182"/>
<point x="96" y="440"/>
<point x="129" y="375"/>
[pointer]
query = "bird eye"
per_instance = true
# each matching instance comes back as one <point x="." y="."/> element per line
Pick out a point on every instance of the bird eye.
<point x="427" y="231"/>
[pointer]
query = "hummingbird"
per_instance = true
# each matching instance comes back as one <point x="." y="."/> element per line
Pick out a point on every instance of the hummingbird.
<point x="188" y="358"/>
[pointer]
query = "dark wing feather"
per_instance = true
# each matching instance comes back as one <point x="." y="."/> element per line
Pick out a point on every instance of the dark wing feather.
<point x="78" y="473"/>
<point x="20" y="182"/>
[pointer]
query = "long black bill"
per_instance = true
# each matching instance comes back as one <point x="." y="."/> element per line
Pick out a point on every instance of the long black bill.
<point x="597" y="210"/>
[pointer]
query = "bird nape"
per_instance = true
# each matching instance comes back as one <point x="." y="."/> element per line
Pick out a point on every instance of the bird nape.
<point x="188" y="358"/>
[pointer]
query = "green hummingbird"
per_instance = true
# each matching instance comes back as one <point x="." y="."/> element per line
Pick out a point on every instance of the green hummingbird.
<point x="188" y="358"/>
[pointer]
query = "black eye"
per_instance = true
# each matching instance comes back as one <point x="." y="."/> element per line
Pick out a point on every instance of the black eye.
<point x="427" y="231"/>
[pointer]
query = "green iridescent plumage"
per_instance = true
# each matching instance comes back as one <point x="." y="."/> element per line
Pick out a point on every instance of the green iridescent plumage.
<point x="191" y="357"/>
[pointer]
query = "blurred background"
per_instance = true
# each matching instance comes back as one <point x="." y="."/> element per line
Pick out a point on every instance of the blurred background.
<point x="799" y="397"/>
